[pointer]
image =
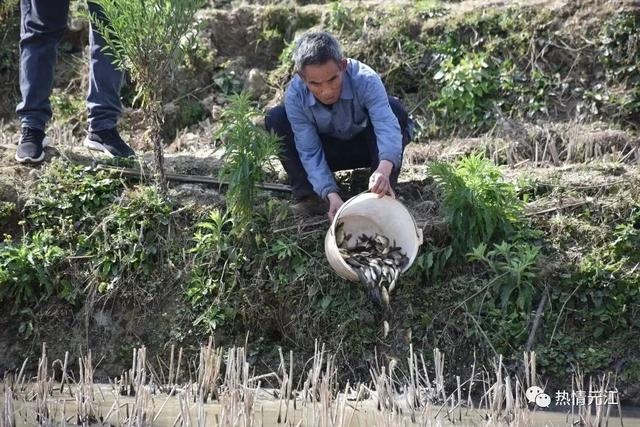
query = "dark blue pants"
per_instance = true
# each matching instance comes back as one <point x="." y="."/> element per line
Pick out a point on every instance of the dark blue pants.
<point x="360" y="152"/>
<point x="43" y="23"/>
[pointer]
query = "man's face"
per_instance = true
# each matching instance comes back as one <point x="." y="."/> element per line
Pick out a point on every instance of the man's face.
<point x="325" y="81"/>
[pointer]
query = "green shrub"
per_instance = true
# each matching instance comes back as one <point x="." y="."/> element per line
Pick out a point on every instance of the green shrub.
<point x="514" y="266"/>
<point x="478" y="205"/>
<point x="67" y="198"/>
<point x="9" y="24"/>
<point x="146" y="38"/>
<point x="288" y="262"/>
<point x="7" y="209"/>
<point x="29" y="270"/>
<point x="430" y="264"/>
<point x="129" y="244"/>
<point x="248" y="148"/>
<point x="340" y="16"/>
<point x="468" y="90"/>
<point x="216" y="259"/>
<point x="190" y="113"/>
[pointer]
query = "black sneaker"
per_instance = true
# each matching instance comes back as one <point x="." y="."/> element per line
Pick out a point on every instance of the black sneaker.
<point x="109" y="142"/>
<point x="31" y="148"/>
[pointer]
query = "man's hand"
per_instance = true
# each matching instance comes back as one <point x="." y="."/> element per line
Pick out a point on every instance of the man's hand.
<point x="379" y="181"/>
<point x="335" y="201"/>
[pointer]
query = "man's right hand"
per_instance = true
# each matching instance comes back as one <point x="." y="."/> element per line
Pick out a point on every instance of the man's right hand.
<point x="335" y="201"/>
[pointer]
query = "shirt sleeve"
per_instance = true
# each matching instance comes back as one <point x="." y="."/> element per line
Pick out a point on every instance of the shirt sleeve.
<point x="384" y="121"/>
<point x="309" y="148"/>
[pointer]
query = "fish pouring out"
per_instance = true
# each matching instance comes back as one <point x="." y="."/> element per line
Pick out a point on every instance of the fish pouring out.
<point x="377" y="262"/>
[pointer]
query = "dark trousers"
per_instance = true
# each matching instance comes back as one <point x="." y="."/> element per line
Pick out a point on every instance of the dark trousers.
<point x="43" y="23"/>
<point x="359" y="152"/>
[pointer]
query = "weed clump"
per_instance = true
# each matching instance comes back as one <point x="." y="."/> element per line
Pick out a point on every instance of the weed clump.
<point x="131" y="242"/>
<point x="30" y="271"/>
<point x="479" y="206"/>
<point x="67" y="198"/>
<point x="247" y="150"/>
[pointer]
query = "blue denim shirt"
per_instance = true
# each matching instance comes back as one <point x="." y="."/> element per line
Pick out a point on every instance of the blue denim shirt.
<point x="363" y="99"/>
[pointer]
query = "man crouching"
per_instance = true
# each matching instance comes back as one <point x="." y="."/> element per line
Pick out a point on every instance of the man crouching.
<point x="336" y="116"/>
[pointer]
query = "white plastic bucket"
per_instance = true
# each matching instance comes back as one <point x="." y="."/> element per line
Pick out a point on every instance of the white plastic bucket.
<point x="369" y="214"/>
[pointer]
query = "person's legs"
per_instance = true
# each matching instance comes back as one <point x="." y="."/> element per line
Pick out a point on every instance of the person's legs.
<point x="105" y="82"/>
<point x="42" y="25"/>
<point x="344" y="155"/>
<point x="276" y="121"/>
<point x="103" y="98"/>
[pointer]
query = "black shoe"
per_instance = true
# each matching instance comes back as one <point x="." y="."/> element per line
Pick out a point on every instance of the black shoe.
<point x="109" y="142"/>
<point x="31" y="148"/>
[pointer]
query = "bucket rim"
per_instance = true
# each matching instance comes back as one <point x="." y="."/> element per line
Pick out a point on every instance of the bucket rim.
<point x="368" y="194"/>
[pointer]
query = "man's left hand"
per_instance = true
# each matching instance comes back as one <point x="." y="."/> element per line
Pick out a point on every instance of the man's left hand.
<point x="379" y="181"/>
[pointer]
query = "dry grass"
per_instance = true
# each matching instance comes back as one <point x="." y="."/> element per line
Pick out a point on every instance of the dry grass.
<point x="226" y="379"/>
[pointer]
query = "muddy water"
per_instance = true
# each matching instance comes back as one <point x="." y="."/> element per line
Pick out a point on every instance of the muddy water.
<point x="168" y="411"/>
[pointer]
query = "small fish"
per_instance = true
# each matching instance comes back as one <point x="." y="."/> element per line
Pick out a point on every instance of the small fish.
<point x="377" y="263"/>
<point x="376" y="269"/>
<point x="353" y="263"/>
<point x="369" y="276"/>
<point x="381" y="240"/>
<point x="385" y="326"/>
<point x="392" y="285"/>
<point x="339" y="235"/>
<point x="385" y="295"/>
<point x="362" y="277"/>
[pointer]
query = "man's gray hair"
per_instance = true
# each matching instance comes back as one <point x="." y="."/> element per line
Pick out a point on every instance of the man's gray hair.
<point x="316" y="48"/>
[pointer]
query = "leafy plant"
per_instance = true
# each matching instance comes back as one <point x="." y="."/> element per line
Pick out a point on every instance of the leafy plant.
<point x="7" y="7"/>
<point x="145" y="38"/>
<point x="515" y="268"/>
<point x="65" y="107"/>
<point x="67" y="197"/>
<point x="282" y="73"/>
<point x="190" y="113"/>
<point x="7" y="209"/>
<point x="228" y="82"/>
<point x="431" y="264"/>
<point x="289" y="261"/>
<point x="468" y="89"/>
<point x="339" y="16"/>
<point x="216" y="259"/>
<point x="9" y="54"/>
<point x="28" y="270"/>
<point x="248" y="148"/>
<point x="129" y="242"/>
<point x="479" y="206"/>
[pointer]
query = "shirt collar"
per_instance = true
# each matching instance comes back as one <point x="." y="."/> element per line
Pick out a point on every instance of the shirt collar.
<point x="347" y="90"/>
